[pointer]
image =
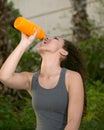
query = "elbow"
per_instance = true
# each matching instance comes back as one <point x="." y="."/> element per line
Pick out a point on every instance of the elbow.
<point x="3" y="78"/>
<point x="73" y="124"/>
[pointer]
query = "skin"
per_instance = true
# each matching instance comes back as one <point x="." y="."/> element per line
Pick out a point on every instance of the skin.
<point x="50" y="48"/>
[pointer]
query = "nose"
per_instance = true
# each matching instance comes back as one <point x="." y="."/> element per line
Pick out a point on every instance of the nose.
<point x="46" y="39"/>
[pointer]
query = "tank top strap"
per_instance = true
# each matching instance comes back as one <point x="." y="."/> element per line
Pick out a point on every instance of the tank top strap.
<point x="34" y="80"/>
<point x="61" y="82"/>
<point x="62" y="75"/>
<point x="36" y="75"/>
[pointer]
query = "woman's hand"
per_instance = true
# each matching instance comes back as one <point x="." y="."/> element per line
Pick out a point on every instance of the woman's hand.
<point x="28" y="39"/>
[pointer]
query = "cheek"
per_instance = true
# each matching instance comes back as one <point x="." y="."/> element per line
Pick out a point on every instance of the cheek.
<point x="55" y="47"/>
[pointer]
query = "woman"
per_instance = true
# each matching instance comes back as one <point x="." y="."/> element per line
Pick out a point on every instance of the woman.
<point x="57" y="89"/>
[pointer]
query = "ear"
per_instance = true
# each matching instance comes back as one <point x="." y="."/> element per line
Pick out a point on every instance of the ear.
<point x="63" y="52"/>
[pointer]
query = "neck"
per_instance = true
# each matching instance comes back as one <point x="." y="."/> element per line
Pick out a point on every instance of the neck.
<point x="50" y="66"/>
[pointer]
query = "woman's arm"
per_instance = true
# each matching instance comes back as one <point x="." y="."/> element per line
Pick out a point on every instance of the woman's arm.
<point x="76" y="100"/>
<point x="7" y="71"/>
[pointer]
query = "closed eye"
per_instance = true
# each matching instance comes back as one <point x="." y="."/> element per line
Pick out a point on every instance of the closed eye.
<point x="56" y="38"/>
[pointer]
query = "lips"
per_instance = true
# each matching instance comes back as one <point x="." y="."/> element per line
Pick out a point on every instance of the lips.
<point x="45" y="41"/>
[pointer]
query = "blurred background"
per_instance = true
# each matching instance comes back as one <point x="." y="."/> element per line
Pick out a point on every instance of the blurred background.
<point x="80" y="21"/>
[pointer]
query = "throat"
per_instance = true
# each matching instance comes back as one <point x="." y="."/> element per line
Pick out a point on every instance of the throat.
<point x="50" y="72"/>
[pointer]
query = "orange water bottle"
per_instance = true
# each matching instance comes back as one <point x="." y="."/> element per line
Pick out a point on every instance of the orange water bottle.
<point x="28" y="27"/>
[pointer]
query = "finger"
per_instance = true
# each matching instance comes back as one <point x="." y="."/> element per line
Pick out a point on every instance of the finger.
<point x="35" y="33"/>
<point x="32" y="37"/>
<point x="23" y="35"/>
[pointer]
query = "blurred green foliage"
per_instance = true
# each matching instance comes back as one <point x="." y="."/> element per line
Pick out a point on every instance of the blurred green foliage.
<point x="94" y="119"/>
<point x="93" y="50"/>
<point x="17" y="115"/>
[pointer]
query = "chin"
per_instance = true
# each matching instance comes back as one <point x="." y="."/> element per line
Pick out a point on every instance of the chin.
<point x="41" y="50"/>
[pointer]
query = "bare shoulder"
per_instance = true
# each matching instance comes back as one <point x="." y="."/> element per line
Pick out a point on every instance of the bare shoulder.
<point x="73" y="79"/>
<point x="73" y="75"/>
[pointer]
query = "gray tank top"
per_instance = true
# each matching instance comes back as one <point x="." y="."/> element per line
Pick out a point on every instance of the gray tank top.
<point x="50" y="105"/>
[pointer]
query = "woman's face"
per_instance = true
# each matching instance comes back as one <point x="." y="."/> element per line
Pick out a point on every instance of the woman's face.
<point x="51" y="45"/>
